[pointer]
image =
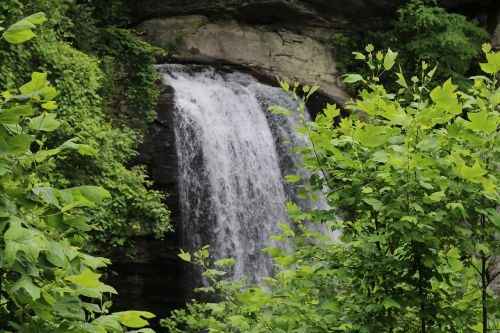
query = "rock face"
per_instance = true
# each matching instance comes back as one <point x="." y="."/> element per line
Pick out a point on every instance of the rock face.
<point x="154" y="280"/>
<point x="316" y="13"/>
<point x="293" y="14"/>
<point x="263" y="49"/>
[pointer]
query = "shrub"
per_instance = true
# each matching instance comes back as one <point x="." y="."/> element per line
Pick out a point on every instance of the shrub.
<point x="423" y="31"/>
<point x="105" y="100"/>
<point x="46" y="283"/>
<point x="411" y="177"/>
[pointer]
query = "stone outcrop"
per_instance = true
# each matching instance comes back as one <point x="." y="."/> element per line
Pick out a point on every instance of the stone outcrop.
<point x="259" y="48"/>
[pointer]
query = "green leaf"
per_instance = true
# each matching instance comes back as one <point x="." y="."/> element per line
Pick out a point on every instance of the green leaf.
<point x="486" y="47"/>
<point x="389" y="59"/>
<point x="352" y="78"/>
<point x="225" y="262"/>
<point x="492" y="65"/>
<point x="30" y="242"/>
<point x="275" y="109"/>
<point x="94" y="262"/>
<point x="331" y="111"/>
<point x="16" y="144"/>
<point x="479" y="122"/>
<point x="86" y="279"/>
<point x="240" y="322"/>
<point x="311" y="91"/>
<point x="185" y="256"/>
<point x="134" y="319"/>
<point x="47" y="194"/>
<point x="37" y="18"/>
<point x="55" y="255"/>
<point x="473" y="174"/>
<point x="435" y="197"/>
<point x="444" y="94"/>
<point x="376" y="204"/>
<point x="38" y="81"/>
<point x="401" y="80"/>
<point x="287" y="229"/>
<point x="390" y="303"/>
<point x="359" y="55"/>
<point x="477" y="327"/>
<point x="5" y="168"/>
<point x="109" y="323"/>
<point x="284" y="85"/>
<point x="26" y="283"/>
<point x="372" y="136"/>
<point x="78" y="222"/>
<point x="45" y="122"/>
<point x="19" y="32"/>
<point x="432" y="71"/>
<point x="14" y="114"/>
<point x="292" y="178"/>
<point x="50" y="105"/>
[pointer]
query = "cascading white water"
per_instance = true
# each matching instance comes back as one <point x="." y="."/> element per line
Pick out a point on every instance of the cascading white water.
<point x="232" y="159"/>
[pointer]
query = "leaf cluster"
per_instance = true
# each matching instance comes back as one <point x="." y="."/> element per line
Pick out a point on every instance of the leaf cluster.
<point x="47" y="284"/>
<point x="422" y="31"/>
<point x="411" y="179"/>
<point x="106" y="100"/>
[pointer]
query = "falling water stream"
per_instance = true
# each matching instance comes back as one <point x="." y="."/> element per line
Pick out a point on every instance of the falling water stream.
<point x="233" y="156"/>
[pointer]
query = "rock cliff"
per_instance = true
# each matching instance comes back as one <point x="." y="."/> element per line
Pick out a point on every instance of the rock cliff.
<point x="267" y="50"/>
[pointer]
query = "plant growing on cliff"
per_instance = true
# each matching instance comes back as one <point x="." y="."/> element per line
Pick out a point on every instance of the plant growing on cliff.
<point x="106" y="100"/>
<point x="46" y="283"/>
<point x="423" y="31"/>
<point x="411" y="177"/>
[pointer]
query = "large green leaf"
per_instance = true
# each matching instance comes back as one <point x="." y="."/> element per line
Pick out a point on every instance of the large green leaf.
<point x="479" y="122"/>
<point x="352" y="78"/>
<point x="26" y="283"/>
<point x="389" y="59"/>
<point x="474" y="173"/>
<point x="47" y="194"/>
<point x="19" y="239"/>
<point x="16" y="144"/>
<point x="86" y="279"/>
<point x="14" y="114"/>
<point x="38" y="81"/>
<point x="36" y="18"/>
<point x="45" y="122"/>
<point x="21" y="31"/>
<point x="373" y="136"/>
<point x="444" y="94"/>
<point x="493" y="63"/>
<point x="134" y="319"/>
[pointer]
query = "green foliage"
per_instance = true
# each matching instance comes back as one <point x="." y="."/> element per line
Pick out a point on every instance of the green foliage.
<point x="422" y="32"/>
<point x="429" y="33"/>
<point x="130" y="90"/>
<point x="411" y="177"/>
<point x="106" y="99"/>
<point x="46" y="283"/>
<point x="173" y="43"/>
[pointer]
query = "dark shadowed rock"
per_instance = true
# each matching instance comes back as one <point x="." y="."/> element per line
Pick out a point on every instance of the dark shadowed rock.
<point x="324" y="13"/>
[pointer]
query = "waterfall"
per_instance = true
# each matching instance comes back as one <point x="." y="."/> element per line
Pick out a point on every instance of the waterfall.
<point x="233" y="156"/>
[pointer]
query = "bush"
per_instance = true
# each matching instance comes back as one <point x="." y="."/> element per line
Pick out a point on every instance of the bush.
<point x="105" y="100"/>
<point x="422" y="32"/>
<point x="46" y="283"/>
<point x="411" y="177"/>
